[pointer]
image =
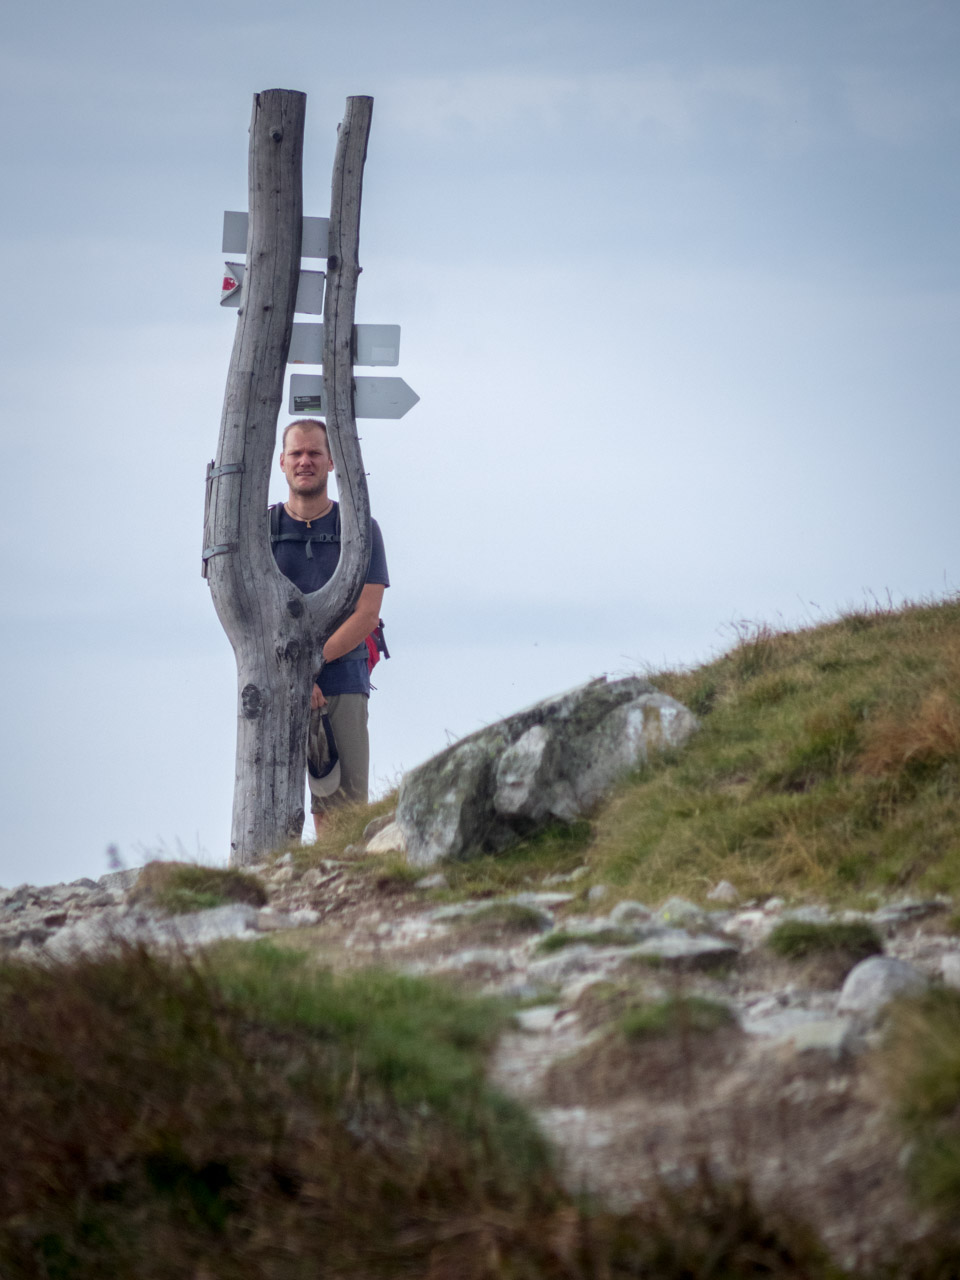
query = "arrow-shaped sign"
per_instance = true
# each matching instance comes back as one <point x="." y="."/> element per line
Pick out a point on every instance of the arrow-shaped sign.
<point x="373" y="344"/>
<point x="309" y="290"/>
<point x="372" y="398"/>
<point x="313" y="240"/>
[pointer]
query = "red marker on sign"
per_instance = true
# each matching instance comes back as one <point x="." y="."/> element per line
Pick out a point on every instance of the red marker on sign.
<point x="232" y="282"/>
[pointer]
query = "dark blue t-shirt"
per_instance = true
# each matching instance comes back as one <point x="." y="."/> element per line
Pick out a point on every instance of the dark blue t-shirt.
<point x="349" y="674"/>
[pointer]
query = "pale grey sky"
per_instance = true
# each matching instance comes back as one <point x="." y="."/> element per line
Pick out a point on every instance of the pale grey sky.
<point x="678" y="288"/>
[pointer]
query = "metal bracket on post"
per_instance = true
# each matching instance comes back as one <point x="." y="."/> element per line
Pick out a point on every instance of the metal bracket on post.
<point x="217" y="551"/>
<point x="213" y="472"/>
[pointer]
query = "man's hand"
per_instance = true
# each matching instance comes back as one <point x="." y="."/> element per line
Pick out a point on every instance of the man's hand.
<point x="317" y="700"/>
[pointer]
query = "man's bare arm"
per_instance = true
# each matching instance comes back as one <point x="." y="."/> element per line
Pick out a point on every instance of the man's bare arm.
<point x="358" y="626"/>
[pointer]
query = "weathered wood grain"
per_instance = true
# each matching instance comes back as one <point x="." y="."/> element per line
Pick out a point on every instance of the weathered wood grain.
<point x="343" y="271"/>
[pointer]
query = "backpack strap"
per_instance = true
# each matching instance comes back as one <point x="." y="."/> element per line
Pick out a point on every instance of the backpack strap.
<point x="300" y="534"/>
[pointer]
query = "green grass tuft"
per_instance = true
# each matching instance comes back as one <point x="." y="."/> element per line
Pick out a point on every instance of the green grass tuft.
<point x="178" y="887"/>
<point x="555" y="851"/>
<point x="341" y="828"/>
<point x="389" y="872"/>
<point x="418" y="1040"/>
<point x="503" y="917"/>
<point x="611" y="937"/>
<point x="675" y="1016"/>
<point x="852" y="940"/>
<point x="920" y="1064"/>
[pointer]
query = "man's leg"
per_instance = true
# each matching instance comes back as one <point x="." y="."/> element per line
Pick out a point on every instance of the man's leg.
<point x="348" y="718"/>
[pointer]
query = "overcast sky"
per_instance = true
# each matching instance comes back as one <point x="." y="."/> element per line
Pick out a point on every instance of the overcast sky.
<point x="678" y="289"/>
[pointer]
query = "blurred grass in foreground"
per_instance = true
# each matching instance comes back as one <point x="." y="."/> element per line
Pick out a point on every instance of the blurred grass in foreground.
<point x="246" y="1118"/>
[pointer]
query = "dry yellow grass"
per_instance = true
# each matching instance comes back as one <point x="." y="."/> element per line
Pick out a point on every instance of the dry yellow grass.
<point x="930" y="734"/>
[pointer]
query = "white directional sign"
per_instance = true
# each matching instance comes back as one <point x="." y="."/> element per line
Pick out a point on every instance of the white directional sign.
<point x="309" y="289"/>
<point x="313" y="242"/>
<point x="373" y="344"/>
<point x="372" y="398"/>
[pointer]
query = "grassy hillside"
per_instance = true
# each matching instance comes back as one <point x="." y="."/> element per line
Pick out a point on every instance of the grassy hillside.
<point x="828" y="762"/>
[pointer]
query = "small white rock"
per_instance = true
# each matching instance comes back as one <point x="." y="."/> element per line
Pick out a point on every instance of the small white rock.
<point x="748" y="920"/>
<point x="629" y="912"/>
<point x="437" y="881"/>
<point x="538" y="1019"/>
<point x="723" y="892"/>
<point x="544" y="900"/>
<point x="675" y="946"/>
<point x="598" y="892"/>
<point x="950" y="968"/>
<point x="764" y="1007"/>
<point x="377" y="825"/>
<point x="831" y="1036"/>
<point x="390" y="840"/>
<point x="564" y="877"/>
<point x="269" y="919"/>
<point x="679" y="912"/>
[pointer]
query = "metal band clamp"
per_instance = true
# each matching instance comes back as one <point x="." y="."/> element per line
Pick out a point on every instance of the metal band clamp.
<point x="220" y="550"/>
<point x="227" y="469"/>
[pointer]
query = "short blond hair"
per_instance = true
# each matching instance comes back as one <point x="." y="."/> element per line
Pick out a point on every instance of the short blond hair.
<point x="308" y="424"/>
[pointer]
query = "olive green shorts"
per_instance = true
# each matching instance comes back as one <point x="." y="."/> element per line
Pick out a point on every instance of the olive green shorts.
<point x="348" y="719"/>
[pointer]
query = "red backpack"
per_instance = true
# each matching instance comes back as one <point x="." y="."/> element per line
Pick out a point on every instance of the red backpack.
<point x="376" y="645"/>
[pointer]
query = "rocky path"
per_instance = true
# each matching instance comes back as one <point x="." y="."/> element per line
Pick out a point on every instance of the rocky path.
<point x="779" y="1090"/>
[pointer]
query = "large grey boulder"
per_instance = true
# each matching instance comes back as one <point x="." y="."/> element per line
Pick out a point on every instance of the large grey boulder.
<point x="552" y="761"/>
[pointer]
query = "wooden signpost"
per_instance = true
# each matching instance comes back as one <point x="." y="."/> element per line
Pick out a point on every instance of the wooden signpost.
<point x="276" y="631"/>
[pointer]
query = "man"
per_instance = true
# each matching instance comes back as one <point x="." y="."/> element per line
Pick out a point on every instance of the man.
<point x="306" y="463"/>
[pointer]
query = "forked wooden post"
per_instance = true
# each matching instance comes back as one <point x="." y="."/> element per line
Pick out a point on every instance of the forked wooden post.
<point x="276" y="631"/>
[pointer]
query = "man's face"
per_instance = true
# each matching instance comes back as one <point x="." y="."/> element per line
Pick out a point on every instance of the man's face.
<point x="306" y="462"/>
